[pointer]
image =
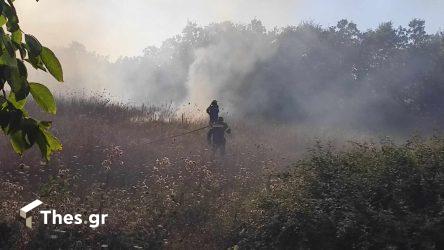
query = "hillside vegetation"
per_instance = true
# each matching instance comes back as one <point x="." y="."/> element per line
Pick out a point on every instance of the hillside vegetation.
<point x="267" y="192"/>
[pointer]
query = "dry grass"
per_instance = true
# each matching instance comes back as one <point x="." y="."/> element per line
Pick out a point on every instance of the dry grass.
<point x="173" y="193"/>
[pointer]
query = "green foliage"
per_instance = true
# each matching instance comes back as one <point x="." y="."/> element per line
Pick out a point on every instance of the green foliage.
<point x="15" y="122"/>
<point x="43" y="97"/>
<point x="52" y="64"/>
<point x="368" y="197"/>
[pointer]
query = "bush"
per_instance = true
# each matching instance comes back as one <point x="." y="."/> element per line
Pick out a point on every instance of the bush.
<point x="368" y="197"/>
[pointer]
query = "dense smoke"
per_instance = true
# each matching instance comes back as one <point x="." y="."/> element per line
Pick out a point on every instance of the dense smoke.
<point x="382" y="79"/>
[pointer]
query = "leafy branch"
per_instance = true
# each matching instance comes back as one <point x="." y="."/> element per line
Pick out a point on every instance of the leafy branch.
<point x="15" y="122"/>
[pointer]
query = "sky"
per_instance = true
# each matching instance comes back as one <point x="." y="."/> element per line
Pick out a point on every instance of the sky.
<point x="124" y="28"/>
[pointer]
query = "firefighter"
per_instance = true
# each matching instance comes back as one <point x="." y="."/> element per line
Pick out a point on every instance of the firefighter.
<point x="216" y="135"/>
<point x="213" y="112"/>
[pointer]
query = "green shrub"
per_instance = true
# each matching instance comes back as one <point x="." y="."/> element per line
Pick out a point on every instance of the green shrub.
<point x="368" y="197"/>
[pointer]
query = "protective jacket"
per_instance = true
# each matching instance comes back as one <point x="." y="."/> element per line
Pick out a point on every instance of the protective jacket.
<point x="213" y="111"/>
<point x="216" y="135"/>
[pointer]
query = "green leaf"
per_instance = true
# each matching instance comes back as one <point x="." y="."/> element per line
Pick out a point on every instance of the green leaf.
<point x="2" y="20"/>
<point x="43" y="146"/>
<point x="22" y="69"/>
<point x="15" y="120"/>
<point x="36" y="62"/>
<point x="10" y="14"/>
<point x="9" y="47"/>
<point x="30" y="129"/>
<point x="17" y="104"/>
<point x="52" y="141"/>
<point x="18" y="142"/>
<point x="22" y="49"/>
<point x="17" y="36"/>
<point x="6" y="59"/>
<point x="52" y="64"/>
<point x="43" y="97"/>
<point x="19" y="84"/>
<point x="34" y="46"/>
<point x="47" y="143"/>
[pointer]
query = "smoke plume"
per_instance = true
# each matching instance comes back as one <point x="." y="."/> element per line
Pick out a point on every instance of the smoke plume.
<point x="382" y="79"/>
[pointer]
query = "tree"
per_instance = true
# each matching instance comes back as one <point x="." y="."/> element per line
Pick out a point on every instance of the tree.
<point x="15" y="122"/>
<point x="417" y="33"/>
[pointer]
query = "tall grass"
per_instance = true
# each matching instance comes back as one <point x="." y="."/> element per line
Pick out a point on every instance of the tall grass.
<point x="175" y="193"/>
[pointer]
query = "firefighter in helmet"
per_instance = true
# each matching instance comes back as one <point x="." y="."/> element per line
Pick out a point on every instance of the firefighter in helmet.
<point x="213" y="112"/>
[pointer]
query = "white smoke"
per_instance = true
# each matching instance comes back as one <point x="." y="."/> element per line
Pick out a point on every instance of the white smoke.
<point x="221" y="68"/>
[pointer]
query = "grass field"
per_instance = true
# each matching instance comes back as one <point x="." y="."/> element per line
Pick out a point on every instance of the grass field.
<point x="109" y="161"/>
<point x="269" y="191"/>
